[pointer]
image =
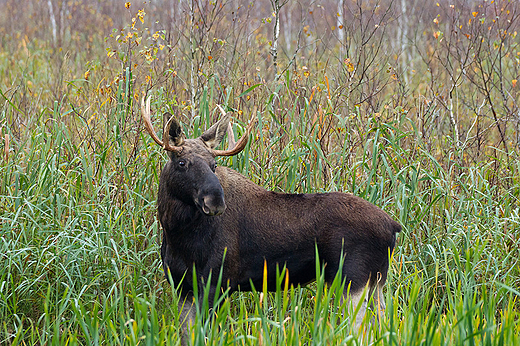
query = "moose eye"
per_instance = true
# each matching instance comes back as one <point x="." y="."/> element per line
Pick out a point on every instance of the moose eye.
<point x="182" y="163"/>
<point x="214" y="167"/>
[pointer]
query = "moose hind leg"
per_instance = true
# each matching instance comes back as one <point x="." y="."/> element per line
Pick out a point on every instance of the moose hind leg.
<point x="356" y="301"/>
<point x="187" y="317"/>
<point x="371" y="295"/>
<point x="364" y="291"/>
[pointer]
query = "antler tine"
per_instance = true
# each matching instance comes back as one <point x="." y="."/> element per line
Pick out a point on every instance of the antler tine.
<point x="242" y="142"/>
<point x="231" y="136"/>
<point x="145" y="113"/>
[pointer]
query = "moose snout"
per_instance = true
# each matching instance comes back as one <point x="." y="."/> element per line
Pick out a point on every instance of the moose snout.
<point x="213" y="206"/>
<point x="209" y="197"/>
<point x="211" y="201"/>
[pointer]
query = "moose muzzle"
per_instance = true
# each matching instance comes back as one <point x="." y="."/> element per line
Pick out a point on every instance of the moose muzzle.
<point x="210" y="197"/>
<point x="213" y="205"/>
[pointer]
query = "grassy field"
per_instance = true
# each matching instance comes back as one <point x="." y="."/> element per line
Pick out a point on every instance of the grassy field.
<point x="415" y="110"/>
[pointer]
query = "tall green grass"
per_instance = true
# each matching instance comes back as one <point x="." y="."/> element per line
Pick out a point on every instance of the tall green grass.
<point x="80" y="243"/>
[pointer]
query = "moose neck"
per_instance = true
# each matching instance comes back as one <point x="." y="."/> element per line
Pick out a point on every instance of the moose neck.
<point x="183" y="218"/>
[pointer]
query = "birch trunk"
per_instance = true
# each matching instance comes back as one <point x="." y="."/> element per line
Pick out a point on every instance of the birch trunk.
<point x="341" y="31"/>
<point x="276" y="35"/>
<point x="53" y="21"/>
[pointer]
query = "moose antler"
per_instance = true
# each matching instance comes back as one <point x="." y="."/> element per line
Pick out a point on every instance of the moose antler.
<point x="241" y="144"/>
<point x="165" y="143"/>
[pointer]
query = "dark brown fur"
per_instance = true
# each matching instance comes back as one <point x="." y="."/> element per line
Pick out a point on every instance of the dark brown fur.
<point x="280" y="228"/>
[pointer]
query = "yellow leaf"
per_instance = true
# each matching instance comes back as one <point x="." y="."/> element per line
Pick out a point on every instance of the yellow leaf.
<point x="128" y="4"/>
<point x="141" y="15"/>
<point x="349" y="65"/>
<point x="514" y="82"/>
<point x="474" y="14"/>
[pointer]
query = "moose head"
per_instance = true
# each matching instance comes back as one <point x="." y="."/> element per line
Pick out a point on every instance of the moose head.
<point x="193" y="160"/>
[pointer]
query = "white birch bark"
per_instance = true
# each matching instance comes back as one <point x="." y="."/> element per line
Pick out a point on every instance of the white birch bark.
<point x="53" y="21"/>
<point x="403" y="36"/>
<point x="341" y="31"/>
<point x="192" y="63"/>
<point x="276" y="35"/>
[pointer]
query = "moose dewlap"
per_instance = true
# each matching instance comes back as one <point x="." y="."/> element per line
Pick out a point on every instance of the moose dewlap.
<point x="208" y="211"/>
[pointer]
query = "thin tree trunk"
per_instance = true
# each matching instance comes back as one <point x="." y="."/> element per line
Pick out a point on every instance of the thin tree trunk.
<point x="192" y="64"/>
<point x="341" y="31"/>
<point x="403" y="34"/>
<point x="276" y="34"/>
<point x="53" y="21"/>
<point x="288" y="30"/>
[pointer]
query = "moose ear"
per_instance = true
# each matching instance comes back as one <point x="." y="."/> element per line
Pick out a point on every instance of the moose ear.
<point x="175" y="130"/>
<point x="215" y="134"/>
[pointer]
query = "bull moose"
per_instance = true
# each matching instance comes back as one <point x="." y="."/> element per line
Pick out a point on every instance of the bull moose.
<point x="214" y="218"/>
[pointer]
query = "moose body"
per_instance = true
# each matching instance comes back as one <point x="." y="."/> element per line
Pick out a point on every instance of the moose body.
<point x="280" y="229"/>
<point x="213" y="217"/>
